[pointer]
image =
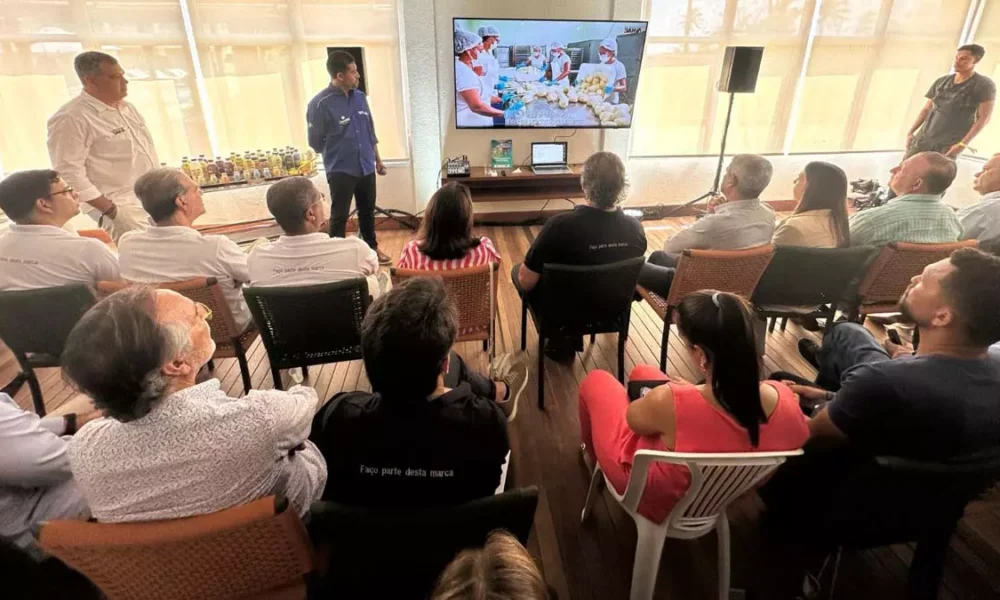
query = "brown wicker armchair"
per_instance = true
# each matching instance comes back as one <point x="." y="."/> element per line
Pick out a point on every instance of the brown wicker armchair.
<point x="734" y="271"/>
<point x="890" y="273"/>
<point x="257" y="550"/>
<point x="474" y="292"/>
<point x="229" y="341"/>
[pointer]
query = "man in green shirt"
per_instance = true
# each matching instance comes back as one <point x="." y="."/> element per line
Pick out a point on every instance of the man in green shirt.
<point x="917" y="214"/>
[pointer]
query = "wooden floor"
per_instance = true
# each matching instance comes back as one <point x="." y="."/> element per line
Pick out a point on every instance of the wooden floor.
<point x="594" y="561"/>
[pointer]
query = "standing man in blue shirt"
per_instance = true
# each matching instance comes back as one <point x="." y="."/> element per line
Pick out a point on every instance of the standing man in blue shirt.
<point x="341" y="128"/>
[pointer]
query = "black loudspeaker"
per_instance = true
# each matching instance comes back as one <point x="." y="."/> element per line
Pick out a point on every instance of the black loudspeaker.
<point x="740" y="68"/>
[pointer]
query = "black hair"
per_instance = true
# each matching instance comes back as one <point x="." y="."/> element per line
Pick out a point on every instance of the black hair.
<point x="826" y="188"/>
<point x="973" y="290"/>
<point x="20" y="191"/>
<point x="115" y="352"/>
<point x="407" y="336"/>
<point x="338" y="62"/>
<point x="977" y="51"/>
<point x="721" y="324"/>
<point x="446" y="230"/>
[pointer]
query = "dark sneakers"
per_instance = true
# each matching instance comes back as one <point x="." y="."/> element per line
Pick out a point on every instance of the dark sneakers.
<point x="383" y="258"/>
<point x="809" y="350"/>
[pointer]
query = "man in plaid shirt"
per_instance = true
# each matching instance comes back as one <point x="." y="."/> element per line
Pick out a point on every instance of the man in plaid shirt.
<point x="917" y="214"/>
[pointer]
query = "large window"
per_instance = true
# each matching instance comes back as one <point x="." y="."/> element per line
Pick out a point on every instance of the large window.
<point x="837" y="75"/>
<point x="988" y="35"/>
<point x="259" y="64"/>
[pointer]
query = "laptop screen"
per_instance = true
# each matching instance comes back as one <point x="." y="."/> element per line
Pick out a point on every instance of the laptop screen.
<point x="548" y="153"/>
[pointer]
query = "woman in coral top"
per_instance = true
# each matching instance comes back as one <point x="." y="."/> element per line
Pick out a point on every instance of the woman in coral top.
<point x="731" y="412"/>
<point x="445" y="240"/>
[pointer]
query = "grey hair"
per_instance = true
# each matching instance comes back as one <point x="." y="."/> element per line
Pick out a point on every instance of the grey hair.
<point x="752" y="173"/>
<point x="89" y="64"/>
<point x="158" y="191"/>
<point x="604" y="181"/>
<point x="289" y="199"/>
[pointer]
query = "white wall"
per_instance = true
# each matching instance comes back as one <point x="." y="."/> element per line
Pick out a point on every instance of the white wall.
<point x="429" y="62"/>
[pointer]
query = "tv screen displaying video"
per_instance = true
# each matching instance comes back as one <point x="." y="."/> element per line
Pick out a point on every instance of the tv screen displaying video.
<point x="514" y="73"/>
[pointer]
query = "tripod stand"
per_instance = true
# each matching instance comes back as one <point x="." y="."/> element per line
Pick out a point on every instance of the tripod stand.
<point x="718" y="168"/>
<point x="394" y="214"/>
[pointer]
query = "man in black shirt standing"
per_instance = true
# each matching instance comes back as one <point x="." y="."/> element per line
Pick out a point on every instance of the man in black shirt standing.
<point x="432" y="433"/>
<point x="958" y="106"/>
<point x="596" y="233"/>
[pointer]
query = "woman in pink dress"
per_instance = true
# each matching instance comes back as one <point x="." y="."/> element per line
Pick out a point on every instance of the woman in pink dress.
<point x="732" y="411"/>
<point x="445" y="240"/>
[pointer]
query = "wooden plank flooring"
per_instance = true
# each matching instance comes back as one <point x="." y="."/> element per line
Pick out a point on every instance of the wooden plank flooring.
<point x="594" y="561"/>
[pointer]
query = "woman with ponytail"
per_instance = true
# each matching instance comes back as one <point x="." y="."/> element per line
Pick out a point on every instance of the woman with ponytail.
<point x="732" y="411"/>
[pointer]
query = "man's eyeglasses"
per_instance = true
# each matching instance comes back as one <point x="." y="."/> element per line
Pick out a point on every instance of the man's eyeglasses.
<point x="67" y="190"/>
<point x="322" y="198"/>
<point x="204" y="311"/>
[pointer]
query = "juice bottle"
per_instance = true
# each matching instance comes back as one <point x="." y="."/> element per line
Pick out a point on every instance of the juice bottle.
<point x="186" y="167"/>
<point x="229" y="167"/>
<point x="297" y="159"/>
<point x="211" y="169"/>
<point x="266" y="173"/>
<point x="196" y="171"/>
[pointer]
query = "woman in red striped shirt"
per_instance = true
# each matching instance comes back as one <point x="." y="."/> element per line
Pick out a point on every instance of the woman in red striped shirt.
<point x="445" y="240"/>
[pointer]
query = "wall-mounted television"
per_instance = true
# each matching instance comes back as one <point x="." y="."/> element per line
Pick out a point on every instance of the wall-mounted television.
<point x="516" y="73"/>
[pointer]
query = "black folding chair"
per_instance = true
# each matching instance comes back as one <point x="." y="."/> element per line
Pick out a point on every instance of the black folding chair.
<point x="809" y="282"/>
<point x="309" y="325"/>
<point x="378" y="553"/>
<point x="35" y="324"/>
<point x="572" y="301"/>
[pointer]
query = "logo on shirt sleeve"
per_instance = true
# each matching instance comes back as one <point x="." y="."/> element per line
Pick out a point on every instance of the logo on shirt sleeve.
<point x="344" y="120"/>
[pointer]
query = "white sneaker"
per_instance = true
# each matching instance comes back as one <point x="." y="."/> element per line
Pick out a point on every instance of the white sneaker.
<point x="296" y="375"/>
<point x="513" y="371"/>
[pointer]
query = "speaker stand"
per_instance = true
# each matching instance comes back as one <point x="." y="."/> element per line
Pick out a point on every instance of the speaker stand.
<point x="718" y="167"/>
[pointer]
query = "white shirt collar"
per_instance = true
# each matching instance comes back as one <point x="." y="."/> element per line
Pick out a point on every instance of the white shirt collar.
<point x="97" y="104"/>
<point x="39" y="230"/>
<point x="991" y="196"/>
<point x="301" y="240"/>
<point x="172" y="230"/>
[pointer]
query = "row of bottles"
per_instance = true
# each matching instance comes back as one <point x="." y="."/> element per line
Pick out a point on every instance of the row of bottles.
<point x="251" y="167"/>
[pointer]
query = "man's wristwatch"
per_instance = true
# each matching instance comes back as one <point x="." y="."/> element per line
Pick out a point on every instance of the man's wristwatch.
<point x="112" y="212"/>
<point x="70" y="419"/>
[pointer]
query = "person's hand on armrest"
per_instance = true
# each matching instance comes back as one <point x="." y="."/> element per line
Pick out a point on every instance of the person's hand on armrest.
<point x="290" y="413"/>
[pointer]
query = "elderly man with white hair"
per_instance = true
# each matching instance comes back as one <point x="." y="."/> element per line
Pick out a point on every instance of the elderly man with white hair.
<point x="170" y="448"/>
<point x="737" y="220"/>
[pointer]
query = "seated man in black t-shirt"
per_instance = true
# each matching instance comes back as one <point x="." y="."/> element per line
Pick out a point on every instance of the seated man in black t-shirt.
<point x="596" y="233"/>
<point x="433" y="433"/>
<point x="940" y="403"/>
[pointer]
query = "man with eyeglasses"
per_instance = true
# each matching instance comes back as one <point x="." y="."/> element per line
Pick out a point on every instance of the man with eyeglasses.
<point x="173" y="250"/>
<point x="101" y="145"/>
<point x="36" y="252"/>
<point x="305" y="254"/>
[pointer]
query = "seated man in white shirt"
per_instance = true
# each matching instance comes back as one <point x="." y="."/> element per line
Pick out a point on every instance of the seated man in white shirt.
<point x="306" y="254"/>
<point x="981" y="221"/>
<point x="169" y="448"/>
<point x="174" y="250"/>
<point x="35" y="251"/>
<point x="36" y="484"/>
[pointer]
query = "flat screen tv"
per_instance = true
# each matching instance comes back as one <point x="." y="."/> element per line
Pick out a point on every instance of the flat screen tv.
<point x="515" y="73"/>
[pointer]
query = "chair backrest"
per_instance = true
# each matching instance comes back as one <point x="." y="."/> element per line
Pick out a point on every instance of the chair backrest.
<point x="97" y="234"/>
<point x="240" y="552"/>
<point x="474" y="292"/>
<point x="312" y="324"/>
<point x="890" y="273"/>
<point x="800" y="276"/>
<point x="594" y="298"/>
<point x="39" y="321"/>
<point x="717" y="479"/>
<point x="370" y="553"/>
<point x="733" y="271"/>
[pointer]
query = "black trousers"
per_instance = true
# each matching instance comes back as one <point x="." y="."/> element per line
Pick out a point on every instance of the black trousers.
<point x="344" y="188"/>
<point x="657" y="274"/>
<point x="459" y="373"/>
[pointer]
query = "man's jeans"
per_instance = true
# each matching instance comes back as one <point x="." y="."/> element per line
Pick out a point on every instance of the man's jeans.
<point x="846" y="345"/>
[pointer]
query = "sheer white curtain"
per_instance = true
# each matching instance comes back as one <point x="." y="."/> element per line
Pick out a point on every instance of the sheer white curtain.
<point x="871" y="62"/>
<point x="261" y="62"/>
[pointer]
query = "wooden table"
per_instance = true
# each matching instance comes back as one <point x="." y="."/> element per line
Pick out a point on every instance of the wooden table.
<point x="525" y="185"/>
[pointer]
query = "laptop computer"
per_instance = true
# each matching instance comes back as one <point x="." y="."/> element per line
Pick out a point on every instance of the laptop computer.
<point x="549" y="158"/>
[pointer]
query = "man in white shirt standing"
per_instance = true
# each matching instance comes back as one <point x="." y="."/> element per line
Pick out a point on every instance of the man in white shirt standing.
<point x="305" y="254"/>
<point x="101" y="145"/>
<point x="35" y="251"/>
<point x="173" y="250"/>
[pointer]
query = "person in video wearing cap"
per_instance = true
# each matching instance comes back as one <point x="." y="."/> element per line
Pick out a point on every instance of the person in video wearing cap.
<point x="608" y="55"/>
<point x="491" y="66"/>
<point x="560" y="65"/>
<point x="472" y="94"/>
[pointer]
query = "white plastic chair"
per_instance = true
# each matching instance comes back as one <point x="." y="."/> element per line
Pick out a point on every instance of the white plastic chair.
<point x="716" y="481"/>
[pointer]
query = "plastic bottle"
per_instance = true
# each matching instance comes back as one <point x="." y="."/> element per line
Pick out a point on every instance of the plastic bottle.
<point x="228" y="167"/>
<point x="266" y="173"/>
<point x="186" y="167"/>
<point x="297" y="159"/>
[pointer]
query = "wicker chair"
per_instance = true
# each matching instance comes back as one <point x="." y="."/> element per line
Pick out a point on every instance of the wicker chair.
<point x="257" y="550"/>
<point x="474" y="291"/>
<point x="229" y="342"/>
<point x="309" y="325"/>
<point x="35" y="324"/>
<point x="890" y="273"/>
<point x="733" y="271"/>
